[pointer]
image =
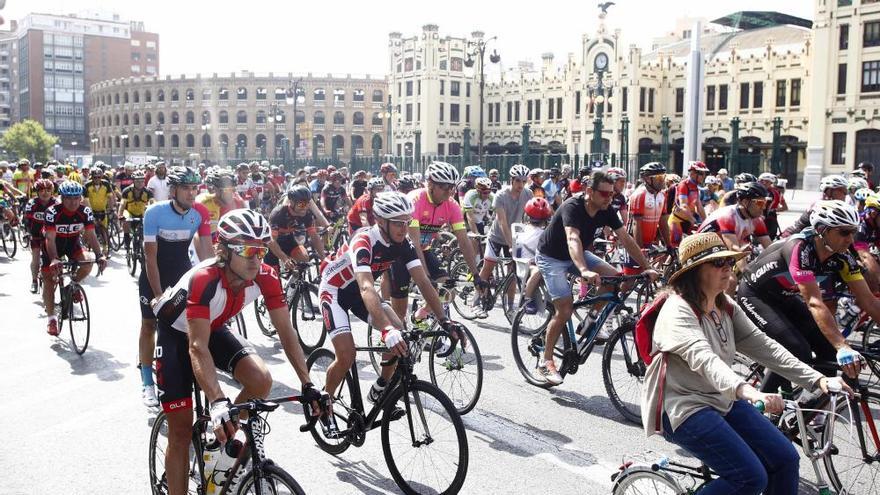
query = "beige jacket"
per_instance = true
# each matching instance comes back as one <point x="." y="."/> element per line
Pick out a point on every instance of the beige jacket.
<point x="698" y="357"/>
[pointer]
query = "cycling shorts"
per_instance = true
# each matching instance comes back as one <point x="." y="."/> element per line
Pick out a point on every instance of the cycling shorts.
<point x="336" y="304"/>
<point x="101" y="217"/>
<point x="494" y="250"/>
<point x="400" y="278"/>
<point x="72" y="250"/>
<point x="174" y="366"/>
<point x="678" y="229"/>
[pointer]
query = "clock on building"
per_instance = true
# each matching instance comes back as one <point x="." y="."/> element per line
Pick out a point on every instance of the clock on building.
<point x="601" y="62"/>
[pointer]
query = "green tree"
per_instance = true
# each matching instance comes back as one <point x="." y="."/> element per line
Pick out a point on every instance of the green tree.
<point x="28" y="139"/>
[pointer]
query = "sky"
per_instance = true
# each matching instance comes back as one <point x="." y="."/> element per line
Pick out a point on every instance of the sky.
<point x="351" y="37"/>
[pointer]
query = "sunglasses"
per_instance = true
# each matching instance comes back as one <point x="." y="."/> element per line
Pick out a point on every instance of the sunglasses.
<point x="845" y="232"/>
<point x="400" y="223"/>
<point x="249" y="252"/>
<point x="760" y="202"/>
<point x="604" y="194"/>
<point x="722" y="262"/>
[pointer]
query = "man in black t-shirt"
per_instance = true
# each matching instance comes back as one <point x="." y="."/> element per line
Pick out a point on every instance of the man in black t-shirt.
<point x="564" y="247"/>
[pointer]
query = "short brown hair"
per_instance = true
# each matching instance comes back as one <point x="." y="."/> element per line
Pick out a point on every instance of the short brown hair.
<point x="687" y="285"/>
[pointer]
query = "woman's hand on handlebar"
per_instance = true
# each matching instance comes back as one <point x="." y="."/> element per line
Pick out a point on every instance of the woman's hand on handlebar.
<point x="773" y="403"/>
<point x="835" y="384"/>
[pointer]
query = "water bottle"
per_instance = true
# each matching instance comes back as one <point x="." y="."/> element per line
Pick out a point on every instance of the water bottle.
<point x="847" y="314"/>
<point x="225" y="458"/>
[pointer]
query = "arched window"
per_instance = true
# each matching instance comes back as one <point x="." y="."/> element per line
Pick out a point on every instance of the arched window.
<point x="378" y="96"/>
<point x="338" y="142"/>
<point x="224" y="140"/>
<point x="321" y="143"/>
<point x="241" y="140"/>
<point x="300" y="116"/>
<point x="160" y="118"/>
<point x="260" y="141"/>
<point x="148" y="140"/>
<point x="206" y="117"/>
<point x="261" y="116"/>
<point x="148" y="97"/>
<point x="117" y="142"/>
<point x="136" y="119"/>
<point x="160" y="141"/>
<point x="261" y="93"/>
<point x="377" y="142"/>
<point x="206" y="141"/>
<point x="338" y="95"/>
<point x="125" y="119"/>
<point x="279" y="138"/>
<point x="319" y="94"/>
<point x="116" y="99"/>
<point x="318" y="118"/>
<point x="102" y="121"/>
<point x="338" y="118"/>
<point x="102" y="103"/>
<point x="190" y="141"/>
<point x="175" y="141"/>
<point x="224" y="117"/>
<point x="357" y="143"/>
<point x="241" y="93"/>
<point x="125" y="97"/>
<point x="175" y="118"/>
<point x="190" y="95"/>
<point x="190" y="117"/>
<point x="175" y="95"/>
<point x="241" y="117"/>
<point x="358" y="95"/>
<point x="377" y="118"/>
<point x="358" y="118"/>
<point x="136" y="141"/>
<point x="148" y="118"/>
<point x="136" y="96"/>
<point x="160" y="95"/>
<point x="224" y="94"/>
<point x="206" y="94"/>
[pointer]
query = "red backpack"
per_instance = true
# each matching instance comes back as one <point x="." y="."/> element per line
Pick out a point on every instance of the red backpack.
<point x="644" y="334"/>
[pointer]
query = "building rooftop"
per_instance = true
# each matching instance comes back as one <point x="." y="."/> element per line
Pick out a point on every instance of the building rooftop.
<point x="752" y="19"/>
<point x="720" y="45"/>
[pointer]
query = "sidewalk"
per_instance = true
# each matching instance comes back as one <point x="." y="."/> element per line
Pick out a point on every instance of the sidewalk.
<point x="799" y="199"/>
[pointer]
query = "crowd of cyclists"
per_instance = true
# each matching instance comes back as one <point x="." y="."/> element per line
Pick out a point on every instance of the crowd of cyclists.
<point x="215" y="239"/>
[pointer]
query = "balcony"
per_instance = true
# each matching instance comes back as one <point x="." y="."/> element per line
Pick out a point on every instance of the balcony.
<point x="318" y="127"/>
<point x="241" y="127"/>
<point x="261" y="126"/>
<point x="223" y="127"/>
<point x="318" y="103"/>
<point x="338" y="127"/>
<point x="338" y="103"/>
<point x="358" y="104"/>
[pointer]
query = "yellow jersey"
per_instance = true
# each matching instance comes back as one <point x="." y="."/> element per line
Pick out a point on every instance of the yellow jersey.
<point x="136" y="204"/>
<point x="99" y="194"/>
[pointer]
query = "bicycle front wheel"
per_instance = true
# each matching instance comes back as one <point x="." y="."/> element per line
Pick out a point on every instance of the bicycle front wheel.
<point x="460" y="374"/>
<point x="849" y="470"/>
<point x="131" y="259"/>
<point x="528" y="349"/>
<point x="78" y="320"/>
<point x="272" y="481"/>
<point x="642" y="481"/>
<point x="10" y="240"/>
<point x="305" y="313"/>
<point x="623" y="372"/>
<point x="158" y="447"/>
<point x="466" y="296"/>
<point x="318" y="363"/>
<point x="262" y="315"/>
<point x="425" y="447"/>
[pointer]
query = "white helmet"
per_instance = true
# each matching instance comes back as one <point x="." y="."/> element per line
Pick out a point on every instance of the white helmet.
<point x="832" y="182"/>
<point x="519" y="171"/>
<point x="856" y="183"/>
<point x="712" y="180"/>
<point x="375" y="182"/>
<point x="833" y="213"/>
<point x="442" y="173"/>
<point x="392" y="204"/>
<point x="768" y="176"/>
<point x="483" y="183"/>
<point x="242" y="225"/>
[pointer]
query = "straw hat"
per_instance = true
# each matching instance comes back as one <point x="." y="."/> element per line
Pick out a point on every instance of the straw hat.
<point x="699" y="248"/>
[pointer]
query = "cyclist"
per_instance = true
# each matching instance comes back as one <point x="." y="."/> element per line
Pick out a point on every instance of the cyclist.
<point x="854" y="184"/>
<point x="565" y="182"/>
<point x="832" y="187"/>
<point x="158" y="183"/>
<point x="434" y="209"/>
<point x="334" y="201"/>
<point x="34" y="221"/>
<point x="361" y="213"/>
<point x="868" y="236"/>
<point x="477" y="205"/>
<point x="348" y="285"/>
<point x="868" y="169"/>
<point x="726" y="181"/>
<point x="359" y="185"/>
<point x="123" y="177"/>
<point x="317" y="185"/>
<point x="469" y="175"/>
<point x="671" y="183"/>
<point x="618" y="201"/>
<point x="389" y="174"/>
<point x="783" y="290"/>
<point x="100" y="197"/>
<point x="776" y="203"/>
<point x="496" y="184"/>
<point x="169" y="228"/>
<point x="688" y="211"/>
<point x="537" y="185"/>
<point x="64" y="225"/>
<point x="135" y="199"/>
<point x="407" y="183"/>
<point x="23" y="180"/>
<point x="291" y="222"/>
<point x="551" y="187"/>
<point x="737" y="223"/>
<point x="222" y="198"/>
<point x="861" y="196"/>
<point x="565" y="247"/>
<point x="646" y="208"/>
<point x="194" y="338"/>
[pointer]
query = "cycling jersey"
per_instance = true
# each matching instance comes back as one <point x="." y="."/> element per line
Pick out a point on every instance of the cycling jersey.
<point x="123" y="180"/>
<point x="136" y="201"/>
<point x="99" y="194"/>
<point x="332" y="199"/>
<point x="496" y="186"/>
<point x="284" y="223"/>
<point x="786" y="263"/>
<point x="173" y="232"/>
<point x="216" y="210"/>
<point x="537" y="190"/>
<point x="478" y="206"/>
<point x="730" y="220"/>
<point x="244" y="188"/>
<point x="430" y="218"/>
<point x="645" y="208"/>
<point x="364" y="204"/>
<point x="23" y="181"/>
<point x="35" y="218"/>
<point x="67" y="226"/>
<point x="358" y="187"/>
<point x="618" y="203"/>
<point x="687" y="194"/>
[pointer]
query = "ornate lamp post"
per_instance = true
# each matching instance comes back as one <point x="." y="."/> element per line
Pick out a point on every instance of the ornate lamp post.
<point x="159" y="133"/>
<point x="477" y="50"/>
<point x="387" y="114"/>
<point x="73" y="145"/>
<point x="94" y="141"/>
<point x="205" y="128"/>
<point x="124" y="137"/>
<point x="292" y="98"/>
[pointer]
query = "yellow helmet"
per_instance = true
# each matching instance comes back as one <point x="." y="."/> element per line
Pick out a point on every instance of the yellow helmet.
<point x="872" y="201"/>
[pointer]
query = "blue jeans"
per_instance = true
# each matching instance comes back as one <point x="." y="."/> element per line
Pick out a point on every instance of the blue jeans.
<point x="747" y="452"/>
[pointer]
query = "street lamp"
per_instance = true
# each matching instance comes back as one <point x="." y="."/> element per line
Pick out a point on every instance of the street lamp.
<point x="387" y="115"/>
<point x="124" y="137"/>
<point x="158" y="132"/>
<point x="205" y="128"/>
<point x="597" y="95"/>
<point x="94" y="141"/>
<point x="477" y="49"/>
<point x="292" y="98"/>
<point x="73" y="145"/>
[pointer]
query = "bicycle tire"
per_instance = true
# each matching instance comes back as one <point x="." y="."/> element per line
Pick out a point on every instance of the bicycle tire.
<point x="447" y="372"/>
<point x="843" y="469"/>
<point x="643" y="480"/>
<point x="131" y="258"/>
<point x="79" y="338"/>
<point x="528" y="348"/>
<point x="417" y="393"/>
<point x="158" y="484"/>
<point x="309" y="325"/>
<point x="509" y="305"/>
<point x="262" y="316"/>
<point x="10" y="243"/>
<point x="465" y="292"/>
<point x="113" y="235"/>
<point x="621" y="347"/>
<point x="317" y="364"/>
<point x="275" y="476"/>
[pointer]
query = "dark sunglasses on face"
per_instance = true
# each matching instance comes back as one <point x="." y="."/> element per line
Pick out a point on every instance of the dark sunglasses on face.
<point x="722" y="262"/>
<point x="400" y="223"/>
<point x="604" y="194"/>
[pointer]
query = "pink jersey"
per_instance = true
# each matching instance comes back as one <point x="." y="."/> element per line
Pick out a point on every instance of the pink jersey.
<point x="430" y="218"/>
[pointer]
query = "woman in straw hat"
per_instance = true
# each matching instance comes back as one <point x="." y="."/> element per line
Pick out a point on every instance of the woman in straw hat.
<point x="694" y="397"/>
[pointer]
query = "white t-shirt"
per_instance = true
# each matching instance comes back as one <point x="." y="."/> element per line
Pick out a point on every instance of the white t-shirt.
<point x="525" y="240"/>
<point x="159" y="188"/>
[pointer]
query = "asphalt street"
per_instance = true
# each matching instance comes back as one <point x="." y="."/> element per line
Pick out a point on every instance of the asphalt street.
<point x="77" y="425"/>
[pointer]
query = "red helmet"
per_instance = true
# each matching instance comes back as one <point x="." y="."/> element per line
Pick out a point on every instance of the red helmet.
<point x="538" y="209"/>
<point x="698" y="167"/>
<point x="575" y="186"/>
<point x="44" y="184"/>
<point x="331" y="169"/>
<point x="387" y="167"/>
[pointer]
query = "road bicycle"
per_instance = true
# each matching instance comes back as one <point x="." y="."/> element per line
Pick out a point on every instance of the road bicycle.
<point x="467" y="298"/>
<point x="305" y="314"/>
<point x="102" y="232"/>
<point x="423" y="437"/>
<point x="134" y="252"/>
<point x="9" y="237"/>
<point x="622" y="370"/>
<point x="72" y="307"/>
<point x="251" y="473"/>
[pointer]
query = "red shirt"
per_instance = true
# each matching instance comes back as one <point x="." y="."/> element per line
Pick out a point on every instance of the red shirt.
<point x="363" y="204"/>
<point x="687" y="194"/>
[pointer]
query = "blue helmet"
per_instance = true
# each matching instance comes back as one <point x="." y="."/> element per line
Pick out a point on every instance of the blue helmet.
<point x="474" y="171"/>
<point x="70" y="188"/>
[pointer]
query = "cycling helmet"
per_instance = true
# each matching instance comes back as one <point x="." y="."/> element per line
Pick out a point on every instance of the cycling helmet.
<point x="494" y="171"/>
<point x="862" y="194"/>
<point x="566" y="169"/>
<point x="722" y="171"/>
<point x="335" y="176"/>
<point x="483" y="183"/>
<point x="768" y="177"/>
<point x="128" y="166"/>
<point x="857" y="183"/>
<point x="744" y="178"/>
<point x="241" y="166"/>
<point x="376" y="182"/>
<point x="44" y="184"/>
<point x="138" y="175"/>
<point x="392" y="204"/>
<point x="538" y="209"/>
<point x="97" y="172"/>
<point x="697" y="166"/>
<point x="653" y="168"/>
<point x="387" y="167"/>
<point x="872" y="201"/>
<point x="407" y="183"/>
<point x="712" y="180"/>
<point x="299" y="193"/>
<point x="832" y="182"/>
<point x="751" y="190"/>
<point x="216" y="176"/>
<point x="673" y="178"/>
<point x="858" y="173"/>
<point x="535" y="171"/>
<point x="615" y="173"/>
<point x="519" y="171"/>
<point x="70" y="188"/>
<point x="183" y="176"/>
<point x="442" y="173"/>
<point x="24" y="162"/>
<point x="243" y="225"/>
<point x="474" y="171"/>
<point x="417" y="177"/>
<point x="833" y="213"/>
<point x="554" y="172"/>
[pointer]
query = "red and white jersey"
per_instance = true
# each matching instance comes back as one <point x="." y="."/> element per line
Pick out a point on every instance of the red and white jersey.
<point x="728" y="220"/>
<point x="204" y="292"/>
<point x="367" y="251"/>
<point x="646" y="208"/>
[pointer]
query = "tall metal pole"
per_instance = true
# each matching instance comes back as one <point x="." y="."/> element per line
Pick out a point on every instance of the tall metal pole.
<point x="482" y="51"/>
<point x="693" y="117"/>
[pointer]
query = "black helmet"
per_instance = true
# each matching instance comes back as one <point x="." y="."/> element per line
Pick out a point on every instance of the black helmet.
<point x="185" y="176"/>
<point x="744" y="178"/>
<point x="216" y="177"/>
<point x="751" y="190"/>
<point x="653" y="168"/>
<point x="407" y="183"/>
<point x="299" y="193"/>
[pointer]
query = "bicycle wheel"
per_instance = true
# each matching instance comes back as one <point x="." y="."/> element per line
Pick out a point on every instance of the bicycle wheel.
<point x="318" y="363"/>
<point x="623" y="372"/>
<point x="158" y="447"/>
<point x="641" y="480"/>
<point x="78" y="321"/>
<point x="426" y="450"/>
<point x="528" y="350"/>
<point x="848" y="470"/>
<point x="10" y="242"/>
<point x="508" y="304"/>
<point x="459" y="375"/>
<point x="535" y="322"/>
<point x="131" y="259"/>
<point x="273" y="481"/>
<point x="263" y="320"/>
<point x="305" y="314"/>
<point x="112" y="235"/>
<point x="465" y="292"/>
